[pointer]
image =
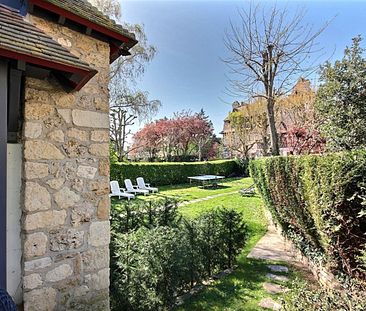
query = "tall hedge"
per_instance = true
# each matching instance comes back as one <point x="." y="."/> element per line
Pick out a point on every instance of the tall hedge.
<point x="171" y="173"/>
<point x="319" y="201"/>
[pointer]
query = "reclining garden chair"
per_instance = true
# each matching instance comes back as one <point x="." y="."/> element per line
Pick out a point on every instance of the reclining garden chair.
<point x="250" y="191"/>
<point x="134" y="189"/>
<point x="142" y="185"/>
<point x="116" y="191"/>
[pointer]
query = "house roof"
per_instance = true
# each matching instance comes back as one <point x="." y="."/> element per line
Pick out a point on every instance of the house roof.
<point x="85" y="10"/>
<point x="23" y="41"/>
<point x="82" y="12"/>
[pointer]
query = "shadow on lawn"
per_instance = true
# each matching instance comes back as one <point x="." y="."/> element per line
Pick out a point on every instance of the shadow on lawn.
<point x="242" y="286"/>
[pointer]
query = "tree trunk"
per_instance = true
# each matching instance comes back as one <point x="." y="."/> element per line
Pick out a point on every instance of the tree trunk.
<point x="272" y="128"/>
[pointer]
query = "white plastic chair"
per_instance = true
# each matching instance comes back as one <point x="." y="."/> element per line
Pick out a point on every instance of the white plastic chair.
<point x="142" y="185"/>
<point x="134" y="189"/>
<point x="116" y="191"/>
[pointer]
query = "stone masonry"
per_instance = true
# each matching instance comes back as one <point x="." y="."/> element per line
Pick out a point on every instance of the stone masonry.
<point x="65" y="223"/>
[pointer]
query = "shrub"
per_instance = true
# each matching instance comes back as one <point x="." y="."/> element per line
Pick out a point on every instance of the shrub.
<point x="131" y="215"/>
<point x="169" y="173"/>
<point x="302" y="297"/>
<point x="153" y="262"/>
<point x="318" y="201"/>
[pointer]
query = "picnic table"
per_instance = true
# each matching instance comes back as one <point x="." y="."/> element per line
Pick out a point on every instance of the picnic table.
<point x="206" y="179"/>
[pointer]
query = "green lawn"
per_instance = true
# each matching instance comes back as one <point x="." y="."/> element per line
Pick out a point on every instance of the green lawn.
<point x="188" y="192"/>
<point x="242" y="290"/>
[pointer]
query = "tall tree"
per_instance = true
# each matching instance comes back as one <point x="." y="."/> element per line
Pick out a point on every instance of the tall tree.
<point x="268" y="49"/>
<point x="341" y="99"/>
<point x="127" y="102"/>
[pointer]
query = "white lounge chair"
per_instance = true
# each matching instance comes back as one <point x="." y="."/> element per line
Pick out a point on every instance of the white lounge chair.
<point x="142" y="185"/>
<point x="134" y="189"/>
<point x="116" y="191"/>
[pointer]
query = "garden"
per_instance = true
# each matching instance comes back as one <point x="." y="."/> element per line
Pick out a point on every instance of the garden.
<point x="183" y="238"/>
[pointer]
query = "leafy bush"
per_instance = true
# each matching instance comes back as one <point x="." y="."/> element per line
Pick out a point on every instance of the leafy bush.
<point x="302" y="297"/>
<point x="153" y="262"/>
<point x="169" y="173"/>
<point x="318" y="201"/>
<point x="131" y="215"/>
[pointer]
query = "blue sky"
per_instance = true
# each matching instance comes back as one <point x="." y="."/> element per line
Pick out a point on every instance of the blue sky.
<point x="187" y="72"/>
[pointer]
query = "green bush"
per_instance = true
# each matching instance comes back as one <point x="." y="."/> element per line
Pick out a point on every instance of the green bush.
<point x="171" y="173"/>
<point x="154" y="262"/>
<point x="319" y="203"/>
<point x="303" y="297"/>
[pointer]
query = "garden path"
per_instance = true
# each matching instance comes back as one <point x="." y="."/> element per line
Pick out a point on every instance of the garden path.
<point x="206" y="198"/>
<point x="272" y="246"/>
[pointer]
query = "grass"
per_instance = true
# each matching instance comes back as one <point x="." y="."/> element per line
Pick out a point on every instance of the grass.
<point x="243" y="289"/>
<point x="188" y="192"/>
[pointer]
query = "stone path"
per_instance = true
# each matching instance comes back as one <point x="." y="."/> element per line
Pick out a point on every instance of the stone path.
<point x="206" y="198"/>
<point x="272" y="246"/>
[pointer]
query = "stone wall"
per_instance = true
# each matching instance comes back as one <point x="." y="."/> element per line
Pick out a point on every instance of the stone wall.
<point x="65" y="221"/>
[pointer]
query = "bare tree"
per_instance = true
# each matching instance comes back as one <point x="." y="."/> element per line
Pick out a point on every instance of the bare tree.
<point x="268" y="49"/>
<point x="127" y="103"/>
<point x="125" y="109"/>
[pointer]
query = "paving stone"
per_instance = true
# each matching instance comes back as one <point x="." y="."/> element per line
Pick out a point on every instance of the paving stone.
<point x="272" y="288"/>
<point x="277" y="268"/>
<point x="272" y="246"/>
<point x="275" y="277"/>
<point x="269" y="303"/>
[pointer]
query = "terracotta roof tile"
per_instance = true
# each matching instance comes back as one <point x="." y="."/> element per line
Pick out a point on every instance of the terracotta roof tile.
<point x="19" y="36"/>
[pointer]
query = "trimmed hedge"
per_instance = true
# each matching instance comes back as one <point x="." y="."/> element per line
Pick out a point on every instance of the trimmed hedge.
<point x="319" y="201"/>
<point x="171" y="173"/>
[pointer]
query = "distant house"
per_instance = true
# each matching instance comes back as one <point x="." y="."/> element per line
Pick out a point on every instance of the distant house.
<point x="292" y="111"/>
<point x="54" y="152"/>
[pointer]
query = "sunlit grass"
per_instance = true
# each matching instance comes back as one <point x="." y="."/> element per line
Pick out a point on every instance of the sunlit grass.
<point x="243" y="289"/>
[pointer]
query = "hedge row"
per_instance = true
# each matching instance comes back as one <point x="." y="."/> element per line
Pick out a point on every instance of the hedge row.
<point x="319" y="201"/>
<point x="171" y="173"/>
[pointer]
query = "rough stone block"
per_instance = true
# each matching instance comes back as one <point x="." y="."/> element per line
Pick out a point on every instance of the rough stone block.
<point x="98" y="281"/>
<point x="35" y="245"/>
<point x="32" y="130"/>
<point x="103" y="208"/>
<point x="59" y="273"/>
<point x="86" y="118"/>
<point x="43" y="299"/>
<point x="35" y="170"/>
<point x="65" y="114"/>
<point x="96" y="259"/>
<point x="38" y="111"/>
<point x="41" y="150"/>
<point x="61" y="240"/>
<point x="100" y="136"/>
<point x="36" y="198"/>
<point x="42" y="220"/>
<point x="99" y="233"/>
<point x="37" y="264"/>
<point x="81" y="214"/>
<point x="104" y="167"/>
<point x="78" y="134"/>
<point x="56" y="183"/>
<point x="57" y="136"/>
<point x="86" y="171"/>
<point x="100" y="150"/>
<point x="66" y="198"/>
<point x="32" y="281"/>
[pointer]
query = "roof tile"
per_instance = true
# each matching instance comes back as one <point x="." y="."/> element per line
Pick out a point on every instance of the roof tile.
<point x="18" y="35"/>
<point x="84" y="9"/>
